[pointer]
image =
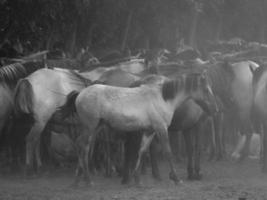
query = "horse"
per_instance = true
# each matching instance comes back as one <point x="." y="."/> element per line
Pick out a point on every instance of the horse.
<point x="38" y="96"/>
<point x="9" y="76"/>
<point x="231" y="83"/>
<point x="147" y="108"/>
<point x="220" y="76"/>
<point x="188" y="118"/>
<point x="259" y="106"/>
<point x="254" y="146"/>
<point x="242" y="99"/>
<point x="227" y="81"/>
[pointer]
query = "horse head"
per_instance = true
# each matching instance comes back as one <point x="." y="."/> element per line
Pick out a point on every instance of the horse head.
<point x="202" y="93"/>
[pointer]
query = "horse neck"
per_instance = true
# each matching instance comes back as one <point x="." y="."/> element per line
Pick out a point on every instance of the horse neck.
<point x="179" y="98"/>
<point x="260" y="88"/>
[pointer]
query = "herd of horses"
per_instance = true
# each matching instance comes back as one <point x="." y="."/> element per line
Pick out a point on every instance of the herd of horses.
<point x="145" y="104"/>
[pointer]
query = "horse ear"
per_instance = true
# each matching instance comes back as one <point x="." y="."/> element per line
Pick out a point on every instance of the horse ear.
<point x="251" y="69"/>
<point x="204" y="77"/>
<point x="204" y="73"/>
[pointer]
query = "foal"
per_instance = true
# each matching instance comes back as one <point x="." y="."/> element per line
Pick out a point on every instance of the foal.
<point x="147" y="108"/>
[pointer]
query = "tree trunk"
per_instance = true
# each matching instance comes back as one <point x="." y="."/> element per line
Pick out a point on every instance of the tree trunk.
<point x="193" y="29"/>
<point x="262" y="30"/>
<point x="219" y="28"/>
<point x="72" y="42"/>
<point x="125" y="36"/>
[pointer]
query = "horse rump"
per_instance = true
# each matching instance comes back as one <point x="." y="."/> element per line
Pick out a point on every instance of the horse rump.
<point x="23" y="98"/>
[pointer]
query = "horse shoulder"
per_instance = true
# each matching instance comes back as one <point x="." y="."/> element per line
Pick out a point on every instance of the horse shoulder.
<point x="161" y="112"/>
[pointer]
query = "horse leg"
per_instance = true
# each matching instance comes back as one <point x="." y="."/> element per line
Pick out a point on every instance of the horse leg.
<point x="107" y="147"/>
<point x="154" y="161"/>
<point x="146" y="140"/>
<point x="189" y="148"/>
<point x="164" y="138"/>
<point x="245" y="131"/>
<point x="219" y="136"/>
<point x="38" y="156"/>
<point x="31" y="144"/>
<point x="264" y="166"/>
<point x="197" y="149"/>
<point x="175" y="144"/>
<point x="144" y="163"/>
<point x="131" y="146"/>
<point x="211" y="137"/>
<point x="79" y="170"/>
<point x="127" y="162"/>
<point x="83" y="147"/>
<point x="86" y="160"/>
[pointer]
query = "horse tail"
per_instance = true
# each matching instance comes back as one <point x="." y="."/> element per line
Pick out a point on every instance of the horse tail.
<point x="23" y="98"/>
<point x="69" y="107"/>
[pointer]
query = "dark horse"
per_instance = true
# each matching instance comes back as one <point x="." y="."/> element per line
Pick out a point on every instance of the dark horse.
<point x="188" y="118"/>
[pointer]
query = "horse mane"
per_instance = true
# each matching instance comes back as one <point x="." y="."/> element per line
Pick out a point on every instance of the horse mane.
<point x="76" y="76"/>
<point x="186" y="82"/>
<point x="10" y="74"/>
<point x="149" y="79"/>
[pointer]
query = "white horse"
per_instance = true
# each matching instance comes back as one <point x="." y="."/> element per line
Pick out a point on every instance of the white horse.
<point x="39" y="95"/>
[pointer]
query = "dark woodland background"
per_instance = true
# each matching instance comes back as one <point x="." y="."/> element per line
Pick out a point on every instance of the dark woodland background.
<point x="28" y="26"/>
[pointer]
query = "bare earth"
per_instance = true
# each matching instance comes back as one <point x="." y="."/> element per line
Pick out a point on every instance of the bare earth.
<point x="221" y="180"/>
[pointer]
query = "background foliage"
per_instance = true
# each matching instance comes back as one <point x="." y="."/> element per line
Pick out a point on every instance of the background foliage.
<point x="33" y="25"/>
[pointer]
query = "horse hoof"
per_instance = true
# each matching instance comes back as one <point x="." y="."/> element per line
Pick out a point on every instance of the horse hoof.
<point x="174" y="177"/>
<point x="136" y="178"/>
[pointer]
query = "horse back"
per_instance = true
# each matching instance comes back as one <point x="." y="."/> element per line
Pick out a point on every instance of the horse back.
<point x="123" y="108"/>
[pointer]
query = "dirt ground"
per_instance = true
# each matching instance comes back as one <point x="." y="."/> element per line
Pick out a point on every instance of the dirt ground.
<point x="221" y="180"/>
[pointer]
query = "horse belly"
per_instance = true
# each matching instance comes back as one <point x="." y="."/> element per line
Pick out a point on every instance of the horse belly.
<point x="186" y="116"/>
<point x="128" y="120"/>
